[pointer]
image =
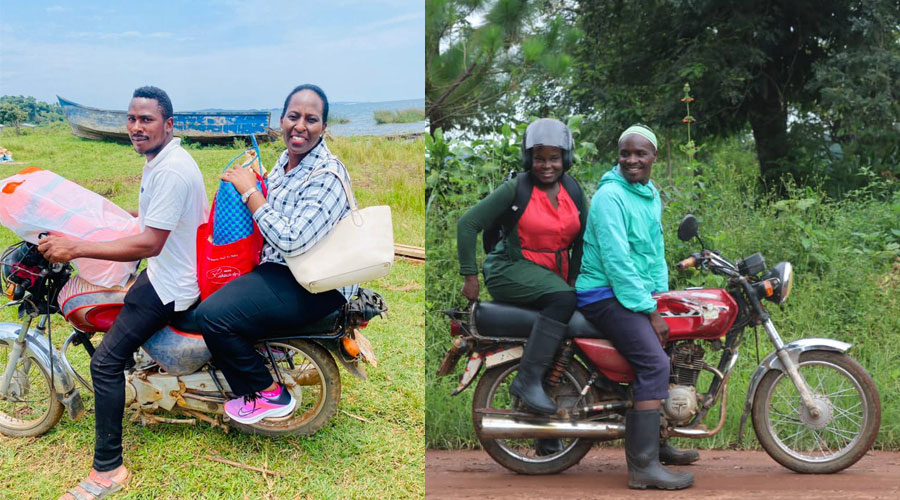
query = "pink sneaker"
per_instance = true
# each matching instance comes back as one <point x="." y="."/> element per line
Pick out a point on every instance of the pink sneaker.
<point x="257" y="406"/>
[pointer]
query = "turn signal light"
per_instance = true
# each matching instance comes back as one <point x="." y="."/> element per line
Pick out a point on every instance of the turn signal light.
<point x="765" y="289"/>
<point x="350" y="346"/>
<point x="455" y="329"/>
<point x="10" y="290"/>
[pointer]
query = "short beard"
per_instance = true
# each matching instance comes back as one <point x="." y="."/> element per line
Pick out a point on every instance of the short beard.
<point x="155" y="151"/>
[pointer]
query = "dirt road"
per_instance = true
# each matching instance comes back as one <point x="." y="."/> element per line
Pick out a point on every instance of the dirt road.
<point x="602" y="475"/>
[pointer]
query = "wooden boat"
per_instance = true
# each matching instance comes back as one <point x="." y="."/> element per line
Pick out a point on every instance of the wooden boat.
<point x="199" y="126"/>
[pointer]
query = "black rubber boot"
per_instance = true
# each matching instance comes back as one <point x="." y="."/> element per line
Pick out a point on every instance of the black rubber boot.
<point x="539" y="353"/>
<point x="547" y="447"/>
<point x="671" y="455"/>
<point x="642" y="454"/>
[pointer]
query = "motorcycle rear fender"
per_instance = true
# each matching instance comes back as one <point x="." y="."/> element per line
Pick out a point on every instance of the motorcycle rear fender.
<point x="352" y="365"/>
<point x="487" y="359"/>
<point x="771" y="362"/>
<point x="39" y="348"/>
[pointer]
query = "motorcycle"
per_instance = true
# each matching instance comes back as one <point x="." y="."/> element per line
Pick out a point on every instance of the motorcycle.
<point x="172" y="372"/>
<point x="814" y="408"/>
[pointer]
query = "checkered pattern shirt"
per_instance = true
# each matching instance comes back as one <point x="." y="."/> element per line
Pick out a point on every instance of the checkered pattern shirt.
<point x="300" y="210"/>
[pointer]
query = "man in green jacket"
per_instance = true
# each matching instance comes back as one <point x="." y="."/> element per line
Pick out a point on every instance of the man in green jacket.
<point x="623" y="264"/>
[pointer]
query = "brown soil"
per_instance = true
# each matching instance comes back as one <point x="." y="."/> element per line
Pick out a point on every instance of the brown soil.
<point x="602" y="474"/>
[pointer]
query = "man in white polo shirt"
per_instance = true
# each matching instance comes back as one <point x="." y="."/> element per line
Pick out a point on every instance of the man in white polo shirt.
<point x="172" y="204"/>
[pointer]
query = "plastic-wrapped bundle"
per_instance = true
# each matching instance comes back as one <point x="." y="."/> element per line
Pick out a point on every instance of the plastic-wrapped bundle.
<point x="36" y="201"/>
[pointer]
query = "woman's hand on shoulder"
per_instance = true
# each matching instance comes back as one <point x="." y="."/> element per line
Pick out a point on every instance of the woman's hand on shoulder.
<point x="470" y="287"/>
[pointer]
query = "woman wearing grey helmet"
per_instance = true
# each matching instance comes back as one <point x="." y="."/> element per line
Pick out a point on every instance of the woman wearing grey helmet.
<point x="536" y="260"/>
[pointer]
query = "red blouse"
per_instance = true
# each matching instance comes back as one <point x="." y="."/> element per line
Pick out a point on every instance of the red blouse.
<point x="546" y="233"/>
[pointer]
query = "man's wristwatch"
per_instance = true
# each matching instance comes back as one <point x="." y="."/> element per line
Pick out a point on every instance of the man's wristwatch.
<point x="246" y="195"/>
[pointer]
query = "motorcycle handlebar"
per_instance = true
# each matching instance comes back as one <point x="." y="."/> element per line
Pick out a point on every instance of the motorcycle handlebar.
<point x="687" y="263"/>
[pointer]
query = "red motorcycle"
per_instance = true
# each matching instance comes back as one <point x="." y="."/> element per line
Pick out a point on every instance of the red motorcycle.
<point x="814" y="408"/>
<point x="172" y="378"/>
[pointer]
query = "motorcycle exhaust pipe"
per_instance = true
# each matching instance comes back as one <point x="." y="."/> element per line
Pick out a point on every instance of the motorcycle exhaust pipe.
<point x="493" y="427"/>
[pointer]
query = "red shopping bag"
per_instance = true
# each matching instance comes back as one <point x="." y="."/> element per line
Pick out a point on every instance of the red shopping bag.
<point x="219" y="264"/>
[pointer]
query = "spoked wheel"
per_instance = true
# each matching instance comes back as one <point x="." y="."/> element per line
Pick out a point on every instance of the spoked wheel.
<point x="529" y="455"/>
<point x="849" y="413"/>
<point x="313" y="379"/>
<point x="30" y="407"/>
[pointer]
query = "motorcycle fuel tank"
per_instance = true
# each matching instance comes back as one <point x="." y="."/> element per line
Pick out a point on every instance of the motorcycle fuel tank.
<point x="701" y="313"/>
<point x="89" y="307"/>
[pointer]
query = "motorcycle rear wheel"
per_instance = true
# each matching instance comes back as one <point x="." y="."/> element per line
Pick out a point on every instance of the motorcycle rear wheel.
<point x="314" y="381"/>
<point x="850" y="409"/>
<point x="32" y="408"/>
<point x="520" y="455"/>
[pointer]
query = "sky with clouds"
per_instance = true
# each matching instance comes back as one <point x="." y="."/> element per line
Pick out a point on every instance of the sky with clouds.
<point x="212" y="53"/>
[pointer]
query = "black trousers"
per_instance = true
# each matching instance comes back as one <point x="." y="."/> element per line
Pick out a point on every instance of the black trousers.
<point x="631" y="334"/>
<point x="265" y="303"/>
<point x="558" y="306"/>
<point x="142" y="315"/>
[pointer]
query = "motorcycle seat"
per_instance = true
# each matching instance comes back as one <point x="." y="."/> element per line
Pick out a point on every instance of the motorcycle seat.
<point x="188" y="322"/>
<point x="497" y="319"/>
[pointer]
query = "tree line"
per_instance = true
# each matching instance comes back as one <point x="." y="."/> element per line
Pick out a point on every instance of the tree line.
<point x="16" y="110"/>
<point x="814" y="83"/>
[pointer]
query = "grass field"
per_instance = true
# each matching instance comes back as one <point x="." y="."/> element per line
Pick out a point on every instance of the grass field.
<point x="399" y="116"/>
<point x="373" y="448"/>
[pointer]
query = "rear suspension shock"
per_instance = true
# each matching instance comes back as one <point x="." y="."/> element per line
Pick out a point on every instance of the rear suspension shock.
<point x="560" y="363"/>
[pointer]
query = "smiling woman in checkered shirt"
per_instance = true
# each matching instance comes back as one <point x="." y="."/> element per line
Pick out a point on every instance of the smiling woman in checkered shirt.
<point x="297" y="213"/>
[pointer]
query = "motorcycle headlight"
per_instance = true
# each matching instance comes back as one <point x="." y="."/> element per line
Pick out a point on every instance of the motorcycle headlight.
<point x="776" y="284"/>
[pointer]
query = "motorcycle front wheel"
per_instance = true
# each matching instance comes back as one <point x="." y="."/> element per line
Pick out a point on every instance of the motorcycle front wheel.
<point x="313" y="379"/>
<point x="31" y="407"/>
<point x="848" y="421"/>
<point x="527" y="455"/>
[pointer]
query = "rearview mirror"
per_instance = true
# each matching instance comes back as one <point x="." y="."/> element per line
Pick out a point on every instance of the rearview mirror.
<point x="688" y="228"/>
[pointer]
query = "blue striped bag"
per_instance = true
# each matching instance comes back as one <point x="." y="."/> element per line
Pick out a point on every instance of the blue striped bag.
<point x="232" y="220"/>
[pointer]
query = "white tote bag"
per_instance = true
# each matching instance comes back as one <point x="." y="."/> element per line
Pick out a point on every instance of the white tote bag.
<point x="359" y="248"/>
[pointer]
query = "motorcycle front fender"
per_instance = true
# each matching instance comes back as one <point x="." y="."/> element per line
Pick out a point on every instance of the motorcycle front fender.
<point x="38" y="347"/>
<point x="771" y="362"/>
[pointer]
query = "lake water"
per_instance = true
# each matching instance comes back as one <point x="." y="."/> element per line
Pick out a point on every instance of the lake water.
<point x="362" y="119"/>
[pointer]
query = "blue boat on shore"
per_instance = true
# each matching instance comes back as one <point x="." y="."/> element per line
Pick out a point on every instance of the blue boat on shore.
<point x="199" y="126"/>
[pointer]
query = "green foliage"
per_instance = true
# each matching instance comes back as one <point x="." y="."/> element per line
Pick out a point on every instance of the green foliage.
<point x="408" y="115"/>
<point x="473" y="73"/>
<point x="11" y="114"/>
<point x="846" y="255"/>
<point x="38" y="112"/>
<point x="755" y="65"/>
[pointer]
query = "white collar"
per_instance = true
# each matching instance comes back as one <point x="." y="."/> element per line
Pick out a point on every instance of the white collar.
<point x="174" y="143"/>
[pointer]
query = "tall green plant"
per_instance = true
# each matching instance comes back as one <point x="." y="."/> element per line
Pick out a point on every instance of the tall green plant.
<point x="479" y="52"/>
<point x="758" y="64"/>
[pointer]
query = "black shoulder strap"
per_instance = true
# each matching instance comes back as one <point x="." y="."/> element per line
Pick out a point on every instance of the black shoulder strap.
<point x="498" y="229"/>
<point x="524" y="186"/>
<point x="574" y="190"/>
<point x="505" y="224"/>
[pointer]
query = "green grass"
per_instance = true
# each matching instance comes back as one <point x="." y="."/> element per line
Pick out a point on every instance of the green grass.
<point x="399" y="116"/>
<point x="846" y="255"/>
<point x="373" y="448"/>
